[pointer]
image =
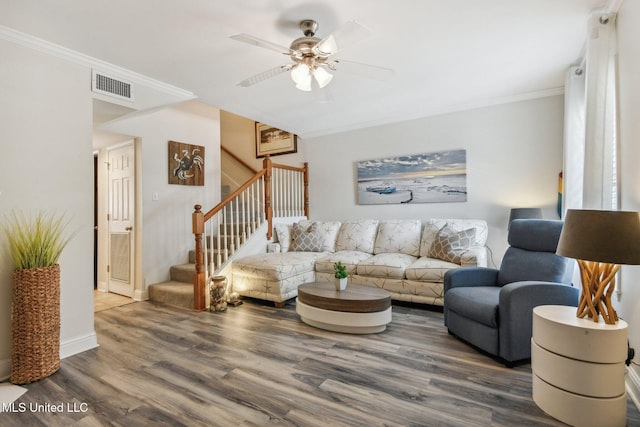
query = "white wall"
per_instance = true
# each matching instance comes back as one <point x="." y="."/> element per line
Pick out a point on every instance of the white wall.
<point x="629" y="73"/>
<point x="47" y="162"/>
<point x="167" y="229"/>
<point x="514" y="156"/>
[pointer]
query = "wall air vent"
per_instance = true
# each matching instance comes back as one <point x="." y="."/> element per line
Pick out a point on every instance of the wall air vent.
<point x="103" y="84"/>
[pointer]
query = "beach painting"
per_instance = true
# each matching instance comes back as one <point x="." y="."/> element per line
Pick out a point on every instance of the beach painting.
<point x="439" y="177"/>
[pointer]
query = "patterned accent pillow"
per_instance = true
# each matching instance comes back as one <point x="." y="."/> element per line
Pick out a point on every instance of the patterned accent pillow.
<point x="328" y="230"/>
<point x="306" y="239"/>
<point x="449" y="245"/>
<point x="434" y="225"/>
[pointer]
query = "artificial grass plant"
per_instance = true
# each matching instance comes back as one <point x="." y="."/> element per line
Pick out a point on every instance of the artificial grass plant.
<point x="36" y="240"/>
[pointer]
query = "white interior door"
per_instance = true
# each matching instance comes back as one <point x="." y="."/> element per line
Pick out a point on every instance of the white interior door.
<point x="121" y="220"/>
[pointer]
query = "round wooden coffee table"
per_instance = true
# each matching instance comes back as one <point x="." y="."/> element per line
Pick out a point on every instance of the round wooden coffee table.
<point x="356" y="310"/>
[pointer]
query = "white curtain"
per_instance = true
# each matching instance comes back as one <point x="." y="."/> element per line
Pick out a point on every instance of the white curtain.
<point x="574" y="139"/>
<point x="591" y="149"/>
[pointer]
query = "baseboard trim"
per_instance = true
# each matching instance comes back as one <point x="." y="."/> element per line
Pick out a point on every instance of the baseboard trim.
<point x="78" y="345"/>
<point x="68" y="348"/>
<point x="139" y="295"/>
<point x="633" y="385"/>
<point x="103" y="287"/>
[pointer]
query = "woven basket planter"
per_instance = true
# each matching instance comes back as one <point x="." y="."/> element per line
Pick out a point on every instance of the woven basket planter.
<point x="35" y="321"/>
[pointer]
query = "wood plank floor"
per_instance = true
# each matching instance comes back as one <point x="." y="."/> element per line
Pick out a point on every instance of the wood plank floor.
<point x="106" y="300"/>
<point x="256" y="365"/>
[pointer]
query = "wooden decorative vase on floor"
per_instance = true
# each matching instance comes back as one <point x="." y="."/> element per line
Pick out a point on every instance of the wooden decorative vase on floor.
<point x="35" y="320"/>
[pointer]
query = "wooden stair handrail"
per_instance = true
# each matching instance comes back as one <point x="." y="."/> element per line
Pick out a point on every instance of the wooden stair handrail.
<point x="232" y="196"/>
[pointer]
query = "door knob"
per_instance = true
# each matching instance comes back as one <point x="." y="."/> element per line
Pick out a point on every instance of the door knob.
<point x="129" y="228"/>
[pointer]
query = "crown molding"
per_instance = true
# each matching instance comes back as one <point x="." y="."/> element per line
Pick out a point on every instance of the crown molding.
<point x="32" y="42"/>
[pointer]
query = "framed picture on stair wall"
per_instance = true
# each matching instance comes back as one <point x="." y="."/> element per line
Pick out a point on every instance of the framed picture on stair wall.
<point x="186" y="163"/>
<point x="274" y="141"/>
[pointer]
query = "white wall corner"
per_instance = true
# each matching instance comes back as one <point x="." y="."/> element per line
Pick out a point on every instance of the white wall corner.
<point x="633" y="384"/>
<point x="5" y="369"/>
<point x="78" y="345"/>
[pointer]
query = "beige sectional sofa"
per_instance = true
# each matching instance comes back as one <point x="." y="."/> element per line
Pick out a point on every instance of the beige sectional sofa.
<point x="408" y="258"/>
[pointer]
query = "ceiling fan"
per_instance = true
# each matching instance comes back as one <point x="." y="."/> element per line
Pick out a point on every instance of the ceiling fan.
<point x="312" y="57"/>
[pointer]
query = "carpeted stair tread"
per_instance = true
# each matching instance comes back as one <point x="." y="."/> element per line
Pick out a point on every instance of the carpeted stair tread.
<point x="182" y="273"/>
<point x="172" y="293"/>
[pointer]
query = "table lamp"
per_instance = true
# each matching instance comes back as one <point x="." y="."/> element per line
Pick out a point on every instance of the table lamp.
<point x="600" y="241"/>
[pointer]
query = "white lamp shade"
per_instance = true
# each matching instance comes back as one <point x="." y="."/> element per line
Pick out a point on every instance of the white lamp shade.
<point x="328" y="46"/>
<point x="301" y="75"/>
<point x="323" y="77"/>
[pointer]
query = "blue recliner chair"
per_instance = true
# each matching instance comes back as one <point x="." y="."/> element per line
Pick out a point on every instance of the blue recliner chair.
<point x="493" y="309"/>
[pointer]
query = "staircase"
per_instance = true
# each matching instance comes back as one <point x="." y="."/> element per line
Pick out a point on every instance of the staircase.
<point x="178" y="291"/>
<point x="238" y="226"/>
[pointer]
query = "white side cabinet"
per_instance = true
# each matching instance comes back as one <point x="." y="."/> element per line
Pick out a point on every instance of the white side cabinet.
<point x="578" y="367"/>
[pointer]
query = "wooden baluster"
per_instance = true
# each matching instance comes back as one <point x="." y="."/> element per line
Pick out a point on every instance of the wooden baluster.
<point x="199" y="277"/>
<point x="267" y="195"/>
<point x="306" y="189"/>
<point x="244" y="216"/>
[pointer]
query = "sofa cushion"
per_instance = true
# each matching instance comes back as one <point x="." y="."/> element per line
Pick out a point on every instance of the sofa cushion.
<point x="357" y="235"/>
<point x="389" y="265"/>
<point x="398" y="236"/>
<point x="449" y="245"/>
<point x="350" y="259"/>
<point x="426" y="269"/>
<point x="306" y="238"/>
<point x="276" y="266"/>
<point x="283" y="236"/>
<point x="432" y="226"/>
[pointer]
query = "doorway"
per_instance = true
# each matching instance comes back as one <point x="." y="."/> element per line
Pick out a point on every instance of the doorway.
<point x="121" y="219"/>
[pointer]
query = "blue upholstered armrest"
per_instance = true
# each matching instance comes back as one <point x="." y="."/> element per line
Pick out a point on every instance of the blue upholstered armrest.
<point x="470" y="276"/>
<point x="517" y="301"/>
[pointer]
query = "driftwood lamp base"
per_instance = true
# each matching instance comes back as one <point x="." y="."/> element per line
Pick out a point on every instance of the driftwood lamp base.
<point x="598" y="283"/>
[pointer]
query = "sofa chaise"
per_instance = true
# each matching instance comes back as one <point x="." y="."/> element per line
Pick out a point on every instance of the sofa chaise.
<point x="408" y="258"/>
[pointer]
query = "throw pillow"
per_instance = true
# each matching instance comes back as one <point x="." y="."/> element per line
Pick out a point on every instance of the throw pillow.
<point x="450" y="245"/>
<point x="306" y="239"/>
<point x="283" y="234"/>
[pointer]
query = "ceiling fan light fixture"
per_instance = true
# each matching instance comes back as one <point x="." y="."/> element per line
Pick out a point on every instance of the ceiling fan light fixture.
<point x="305" y="85"/>
<point x="301" y="75"/>
<point x="322" y="76"/>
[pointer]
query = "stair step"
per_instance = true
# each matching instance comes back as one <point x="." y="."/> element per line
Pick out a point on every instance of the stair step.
<point x="172" y="293"/>
<point x="183" y="273"/>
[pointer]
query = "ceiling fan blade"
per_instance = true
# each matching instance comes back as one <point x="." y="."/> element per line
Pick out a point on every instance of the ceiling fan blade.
<point x="260" y="77"/>
<point x="364" y="70"/>
<point x="348" y="34"/>
<point x="246" y="38"/>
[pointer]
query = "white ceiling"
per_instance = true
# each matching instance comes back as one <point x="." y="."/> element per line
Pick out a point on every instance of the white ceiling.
<point x="448" y="55"/>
